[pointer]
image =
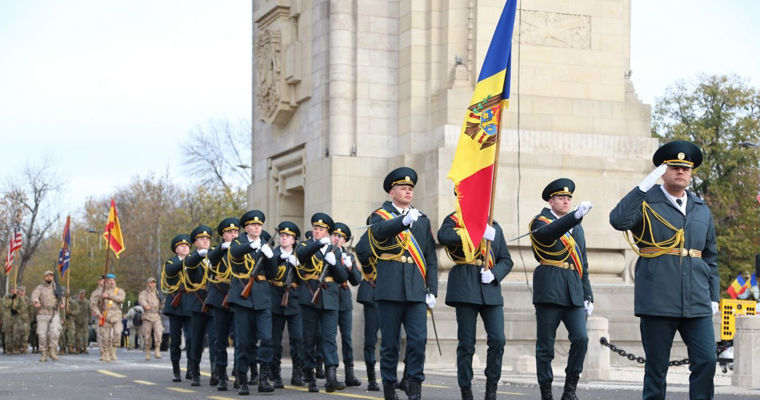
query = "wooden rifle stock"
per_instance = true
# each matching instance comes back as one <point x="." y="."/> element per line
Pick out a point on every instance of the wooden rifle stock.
<point x="176" y="299"/>
<point x="225" y="301"/>
<point x="204" y="309"/>
<point x="322" y="277"/>
<point x="255" y="273"/>
<point x="288" y="282"/>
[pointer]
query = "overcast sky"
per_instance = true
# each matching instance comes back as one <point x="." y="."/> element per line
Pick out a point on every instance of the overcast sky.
<point x="109" y="89"/>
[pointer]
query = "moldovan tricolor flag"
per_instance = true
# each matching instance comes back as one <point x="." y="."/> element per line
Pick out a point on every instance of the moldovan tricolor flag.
<point x="112" y="233"/>
<point x="473" y="168"/>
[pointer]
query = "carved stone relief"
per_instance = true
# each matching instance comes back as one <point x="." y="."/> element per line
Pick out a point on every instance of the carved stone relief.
<point x="544" y="28"/>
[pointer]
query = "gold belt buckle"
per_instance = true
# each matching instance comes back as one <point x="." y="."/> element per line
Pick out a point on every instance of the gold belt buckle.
<point x="684" y="252"/>
<point x="405" y="259"/>
<point x="478" y="262"/>
<point x="566" y="265"/>
<point x="692" y="253"/>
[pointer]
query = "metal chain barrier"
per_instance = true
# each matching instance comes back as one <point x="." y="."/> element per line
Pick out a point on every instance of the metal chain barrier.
<point x="632" y="357"/>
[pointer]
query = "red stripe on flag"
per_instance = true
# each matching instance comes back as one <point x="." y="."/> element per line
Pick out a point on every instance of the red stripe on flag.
<point x="474" y="194"/>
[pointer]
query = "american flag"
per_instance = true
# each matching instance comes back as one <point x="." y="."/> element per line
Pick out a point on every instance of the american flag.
<point x="15" y="245"/>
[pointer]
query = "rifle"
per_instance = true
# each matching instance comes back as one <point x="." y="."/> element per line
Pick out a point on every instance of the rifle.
<point x="322" y="277"/>
<point x="255" y="273"/>
<point x="177" y="298"/>
<point x="288" y="282"/>
<point x="225" y="301"/>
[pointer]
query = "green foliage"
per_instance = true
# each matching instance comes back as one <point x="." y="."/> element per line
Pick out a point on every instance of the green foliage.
<point x="717" y="113"/>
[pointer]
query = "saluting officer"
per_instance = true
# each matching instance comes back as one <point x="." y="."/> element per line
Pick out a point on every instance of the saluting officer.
<point x="341" y="234"/>
<point x="219" y="272"/>
<point x="474" y="288"/>
<point x="561" y="288"/>
<point x="196" y="279"/>
<point x="407" y="279"/>
<point x="677" y="283"/>
<point x="253" y="310"/>
<point x="366" y="297"/>
<point x="176" y="304"/>
<point x="317" y="258"/>
<point x="285" y="304"/>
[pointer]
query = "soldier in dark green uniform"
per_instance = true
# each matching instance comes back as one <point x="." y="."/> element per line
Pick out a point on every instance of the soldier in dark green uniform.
<point x="677" y="283"/>
<point x="407" y="279"/>
<point x="341" y="234"/>
<point x="196" y="279"/>
<point x="561" y="288"/>
<point x="474" y="288"/>
<point x="253" y="312"/>
<point x="286" y="310"/>
<point x="318" y="257"/>
<point x="176" y="304"/>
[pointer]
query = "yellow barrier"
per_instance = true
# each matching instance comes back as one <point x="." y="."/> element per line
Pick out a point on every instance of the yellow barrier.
<point x="729" y="309"/>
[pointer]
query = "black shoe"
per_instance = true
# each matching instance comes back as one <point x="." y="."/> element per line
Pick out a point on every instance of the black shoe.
<point x="320" y="372"/>
<point x="414" y="389"/>
<point x="196" y="381"/>
<point x="403" y="384"/>
<point x="296" y="378"/>
<point x="311" y="381"/>
<point x="466" y="393"/>
<point x="243" y="391"/>
<point x="332" y="384"/>
<point x="222" y="372"/>
<point x="189" y="371"/>
<point x="372" y="386"/>
<point x="236" y="385"/>
<point x="491" y="391"/>
<point x="254" y="380"/>
<point x="175" y="371"/>
<point x="546" y="391"/>
<point x="276" y="371"/>
<point x="264" y="385"/>
<point x="214" y="381"/>
<point x="389" y="391"/>
<point x="351" y="379"/>
<point x="571" y="382"/>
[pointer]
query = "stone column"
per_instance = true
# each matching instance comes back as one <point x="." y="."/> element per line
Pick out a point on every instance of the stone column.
<point x="747" y="352"/>
<point x="597" y="364"/>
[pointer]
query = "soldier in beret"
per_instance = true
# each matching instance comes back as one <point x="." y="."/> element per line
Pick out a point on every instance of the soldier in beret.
<point x="474" y="288"/>
<point x="341" y="235"/>
<point x="253" y="311"/>
<point x="95" y="310"/>
<point x="112" y="298"/>
<point x="407" y="279"/>
<point x="561" y="288"/>
<point x="176" y="304"/>
<point x="286" y="282"/>
<point x="677" y="283"/>
<point x="318" y="258"/>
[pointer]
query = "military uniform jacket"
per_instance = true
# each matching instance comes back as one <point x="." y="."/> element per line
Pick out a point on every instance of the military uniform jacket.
<point x="345" y="303"/>
<point x="557" y="285"/>
<point x="84" y="315"/>
<point x="44" y="293"/>
<point x="112" y="304"/>
<point x="668" y="285"/>
<point x="173" y="267"/>
<point x="402" y="281"/>
<point x="219" y="263"/>
<point x="196" y="269"/>
<point x="283" y="268"/>
<point x="464" y="284"/>
<point x="366" y="293"/>
<point x="149" y="298"/>
<point x="243" y="258"/>
<point x="309" y="255"/>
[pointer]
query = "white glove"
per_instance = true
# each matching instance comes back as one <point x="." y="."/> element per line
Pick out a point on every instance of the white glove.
<point x="490" y="233"/>
<point x="325" y="240"/>
<point x="429" y="299"/>
<point x="284" y="255"/>
<point x="202" y="252"/>
<point x="411" y="217"/>
<point x="588" y="306"/>
<point x="583" y="209"/>
<point x="256" y="244"/>
<point x="267" y="251"/>
<point x="330" y="258"/>
<point x="715" y="307"/>
<point x="652" y="178"/>
<point x="486" y="276"/>
<point x="225" y="245"/>
<point x="347" y="261"/>
<point x="292" y="260"/>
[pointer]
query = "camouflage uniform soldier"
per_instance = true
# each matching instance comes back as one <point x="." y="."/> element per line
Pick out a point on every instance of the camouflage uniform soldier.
<point x="68" y="335"/>
<point x="151" y="305"/>
<point x="5" y="320"/>
<point x="20" y="321"/>
<point x="95" y="305"/>
<point x="82" y="323"/>
<point x="111" y="327"/>
<point x="48" y="319"/>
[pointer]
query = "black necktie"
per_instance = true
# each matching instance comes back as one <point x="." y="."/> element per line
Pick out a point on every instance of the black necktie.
<point x="680" y="202"/>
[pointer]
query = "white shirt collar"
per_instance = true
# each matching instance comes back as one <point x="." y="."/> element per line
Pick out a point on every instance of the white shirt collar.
<point x="401" y="210"/>
<point x="673" y="201"/>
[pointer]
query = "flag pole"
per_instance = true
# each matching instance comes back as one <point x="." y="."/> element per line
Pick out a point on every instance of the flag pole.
<point x="108" y="247"/>
<point x="15" y="270"/>
<point x="493" y="185"/>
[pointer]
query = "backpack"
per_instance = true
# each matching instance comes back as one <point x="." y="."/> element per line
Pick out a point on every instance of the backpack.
<point x="137" y="318"/>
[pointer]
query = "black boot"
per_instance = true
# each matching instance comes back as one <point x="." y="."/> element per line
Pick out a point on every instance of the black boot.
<point x="189" y="370"/>
<point x="196" y="381"/>
<point x="466" y="393"/>
<point x="175" y="371"/>
<point x="320" y="372"/>
<point x="332" y="384"/>
<point x="236" y="385"/>
<point x="351" y="379"/>
<point x="389" y="391"/>
<point x="571" y="382"/>
<point x="277" y="376"/>
<point x="254" y="380"/>
<point x="546" y="391"/>
<point x="242" y="378"/>
<point x="414" y="389"/>
<point x="296" y="378"/>
<point x="214" y="377"/>
<point x="264" y="385"/>
<point x="311" y="381"/>
<point x="222" y="373"/>
<point x="403" y="383"/>
<point x="372" y="386"/>
<point x="491" y="391"/>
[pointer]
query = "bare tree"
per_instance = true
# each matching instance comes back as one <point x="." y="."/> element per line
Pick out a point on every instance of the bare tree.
<point x="220" y="154"/>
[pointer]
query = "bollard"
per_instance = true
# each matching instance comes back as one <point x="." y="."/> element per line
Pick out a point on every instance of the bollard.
<point x="747" y="352"/>
<point x="597" y="364"/>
